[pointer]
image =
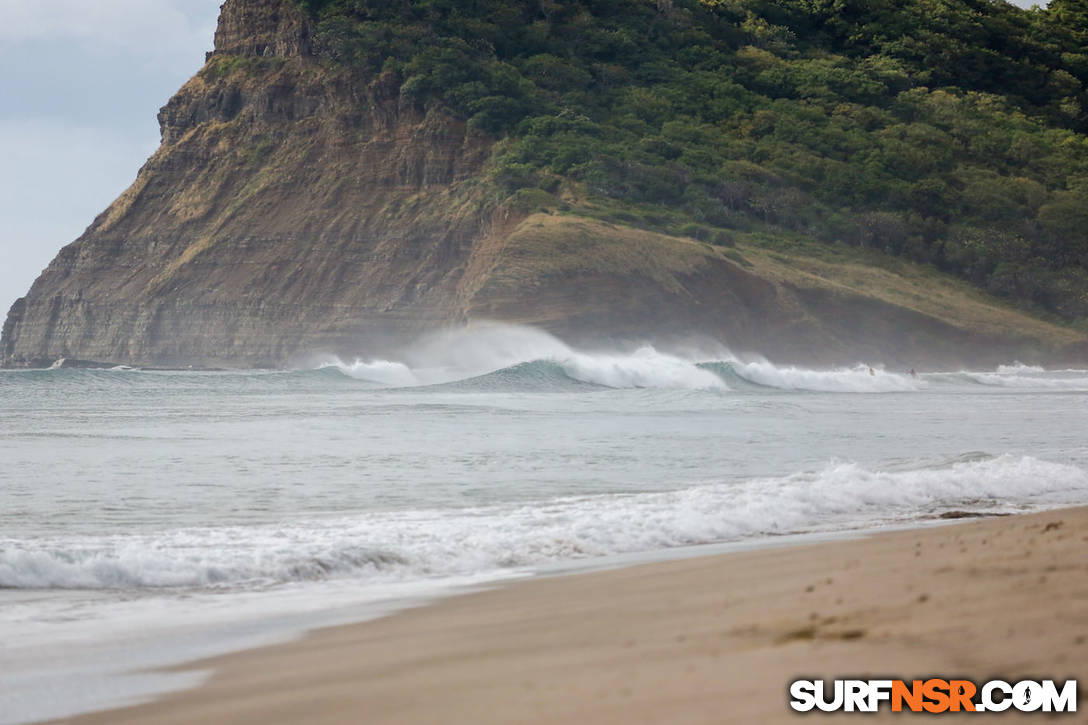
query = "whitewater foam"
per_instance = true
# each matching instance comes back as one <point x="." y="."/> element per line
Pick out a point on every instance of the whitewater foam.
<point x="522" y="356"/>
<point x="147" y="510"/>
<point x="383" y="372"/>
<point x="1019" y="368"/>
<point x="484" y="349"/>
<point x="857" y="379"/>
<point x="395" y="546"/>
<point x="1070" y="381"/>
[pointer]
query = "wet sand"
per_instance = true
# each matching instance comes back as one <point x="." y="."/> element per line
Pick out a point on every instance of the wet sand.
<point x="711" y="639"/>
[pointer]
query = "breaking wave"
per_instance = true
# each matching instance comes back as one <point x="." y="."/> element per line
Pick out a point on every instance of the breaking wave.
<point x="494" y="357"/>
<point x="1020" y="378"/>
<point x="384" y="546"/>
<point x="1018" y="368"/>
<point x="650" y="368"/>
<point x="508" y="356"/>
<point x="644" y="368"/>
<point x="857" y="379"/>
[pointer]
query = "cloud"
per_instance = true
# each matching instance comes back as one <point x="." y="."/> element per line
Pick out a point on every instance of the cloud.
<point x="100" y="61"/>
<point x="151" y="28"/>
<point x="80" y="84"/>
<point x="56" y="179"/>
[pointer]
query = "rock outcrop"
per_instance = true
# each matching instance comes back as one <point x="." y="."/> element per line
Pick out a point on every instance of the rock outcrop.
<point x="295" y="208"/>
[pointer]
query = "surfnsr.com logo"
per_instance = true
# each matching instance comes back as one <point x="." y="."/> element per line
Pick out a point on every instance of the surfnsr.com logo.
<point x="933" y="695"/>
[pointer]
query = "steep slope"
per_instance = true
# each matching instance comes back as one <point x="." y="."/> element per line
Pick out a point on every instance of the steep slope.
<point x="286" y="208"/>
<point x="948" y="132"/>
<point x="297" y="206"/>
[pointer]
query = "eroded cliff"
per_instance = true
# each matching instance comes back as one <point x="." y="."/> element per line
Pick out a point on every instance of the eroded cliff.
<point x="295" y="207"/>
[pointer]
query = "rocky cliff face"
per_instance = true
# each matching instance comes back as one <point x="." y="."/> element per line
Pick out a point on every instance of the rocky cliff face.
<point x="287" y="209"/>
<point x="294" y="209"/>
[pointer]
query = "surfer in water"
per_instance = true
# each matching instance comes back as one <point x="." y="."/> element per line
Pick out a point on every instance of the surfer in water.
<point x="871" y="371"/>
<point x="913" y="374"/>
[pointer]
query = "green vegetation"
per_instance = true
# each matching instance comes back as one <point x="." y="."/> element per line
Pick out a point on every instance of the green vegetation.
<point x="949" y="132"/>
<point x="228" y="65"/>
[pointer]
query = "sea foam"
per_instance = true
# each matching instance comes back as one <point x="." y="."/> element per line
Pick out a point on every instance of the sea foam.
<point x="857" y="379"/>
<point x="484" y="349"/>
<point x="405" y="545"/>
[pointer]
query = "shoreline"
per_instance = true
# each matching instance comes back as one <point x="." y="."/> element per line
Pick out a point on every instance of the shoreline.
<point x="159" y="669"/>
<point x="680" y="640"/>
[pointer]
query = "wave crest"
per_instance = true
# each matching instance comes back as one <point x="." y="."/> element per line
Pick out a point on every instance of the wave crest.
<point x="505" y="355"/>
<point x="410" y="544"/>
<point x="857" y="379"/>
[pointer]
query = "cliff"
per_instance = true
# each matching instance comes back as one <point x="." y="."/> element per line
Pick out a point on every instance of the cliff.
<point x="296" y="206"/>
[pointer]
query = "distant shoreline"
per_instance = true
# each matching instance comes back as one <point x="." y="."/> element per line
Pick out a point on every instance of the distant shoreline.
<point x="683" y="640"/>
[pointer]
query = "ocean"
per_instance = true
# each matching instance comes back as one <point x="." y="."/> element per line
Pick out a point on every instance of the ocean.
<point x="149" y="518"/>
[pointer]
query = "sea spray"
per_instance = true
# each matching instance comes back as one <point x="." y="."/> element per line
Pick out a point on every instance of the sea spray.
<point x="1016" y="377"/>
<point x="197" y="510"/>
<point x="484" y="349"/>
<point x="1072" y="380"/>
<point x="1019" y="368"/>
<point x="857" y="379"/>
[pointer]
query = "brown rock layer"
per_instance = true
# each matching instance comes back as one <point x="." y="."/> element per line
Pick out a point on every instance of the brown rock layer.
<point x="294" y="208"/>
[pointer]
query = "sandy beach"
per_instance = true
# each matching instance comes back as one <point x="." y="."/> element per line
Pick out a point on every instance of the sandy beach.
<point x="702" y="640"/>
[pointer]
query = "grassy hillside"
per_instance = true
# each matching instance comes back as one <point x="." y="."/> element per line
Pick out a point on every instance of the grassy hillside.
<point x="564" y="245"/>
<point x="948" y="132"/>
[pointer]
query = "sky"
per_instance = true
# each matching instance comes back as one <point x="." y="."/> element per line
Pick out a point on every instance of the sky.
<point x="81" y="82"/>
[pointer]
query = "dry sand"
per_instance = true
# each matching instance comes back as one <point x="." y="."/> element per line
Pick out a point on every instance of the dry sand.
<point x="704" y="640"/>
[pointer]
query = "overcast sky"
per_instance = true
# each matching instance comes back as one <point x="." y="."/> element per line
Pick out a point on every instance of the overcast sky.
<point x="80" y="84"/>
